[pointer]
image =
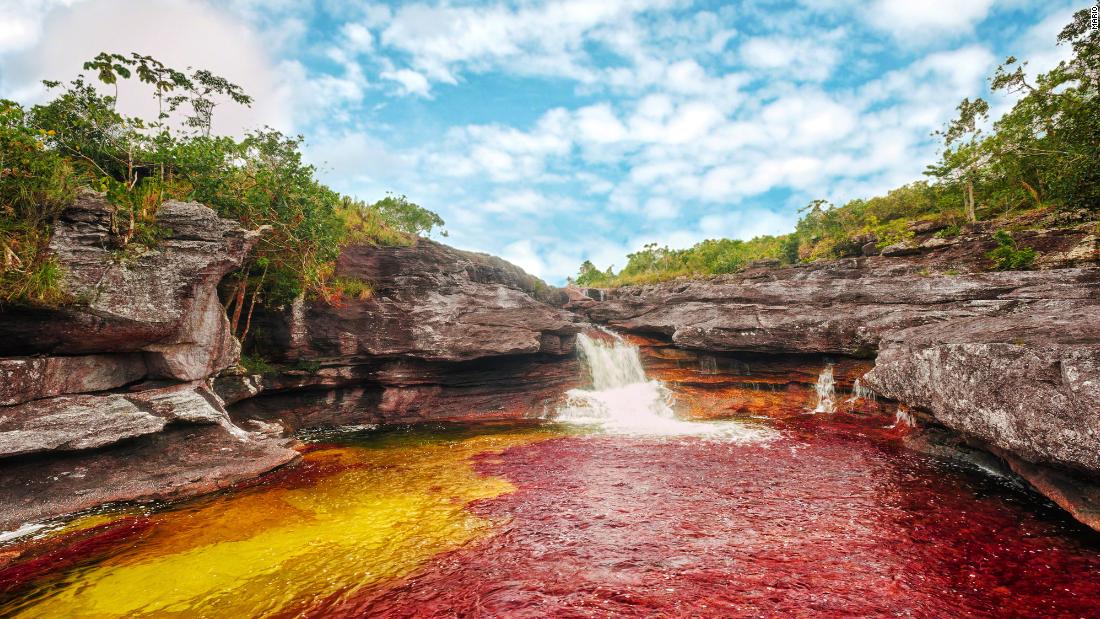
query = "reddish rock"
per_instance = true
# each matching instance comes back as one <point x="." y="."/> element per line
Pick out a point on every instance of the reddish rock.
<point x="179" y="462"/>
<point x="158" y="300"/>
<point x="431" y="302"/>
<point x="30" y="378"/>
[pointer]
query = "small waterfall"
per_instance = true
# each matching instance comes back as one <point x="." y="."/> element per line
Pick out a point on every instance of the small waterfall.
<point x="826" y="391"/>
<point x="623" y="400"/>
<point x="903" y="418"/>
<point x="859" y="392"/>
<point x="708" y="365"/>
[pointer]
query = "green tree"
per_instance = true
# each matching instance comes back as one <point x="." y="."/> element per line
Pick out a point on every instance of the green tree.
<point x="964" y="151"/>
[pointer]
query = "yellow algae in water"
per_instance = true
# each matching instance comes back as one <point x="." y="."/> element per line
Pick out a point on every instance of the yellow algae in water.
<point x="378" y="513"/>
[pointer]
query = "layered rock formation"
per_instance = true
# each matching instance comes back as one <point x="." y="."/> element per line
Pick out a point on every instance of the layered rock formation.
<point x="92" y="392"/>
<point x="118" y="394"/>
<point x="446" y="334"/>
<point x="1009" y="360"/>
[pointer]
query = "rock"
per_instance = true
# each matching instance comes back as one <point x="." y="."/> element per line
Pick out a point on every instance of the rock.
<point x="936" y="241"/>
<point x="870" y="249"/>
<point x="1027" y="381"/>
<point x="1073" y="493"/>
<point x="843" y="307"/>
<point x="927" y="227"/>
<point x="431" y="302"/>
<point x="447" y="334"/>
<point x="105" y="398"/>
<point x="30" y="378"/>
<point x="178" y="462"/>
<point x="1085" y="252"/>
<point x="413" y="390"/>
<point x="900" y="249"/>
<point x="201" y="347"/>
<point x="236" y="387"/>
<point x="134" y="299"/>
<point x="72" y="423"/>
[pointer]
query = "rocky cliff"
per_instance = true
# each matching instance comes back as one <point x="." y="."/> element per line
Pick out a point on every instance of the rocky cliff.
<point x="107" y="397"/>
<point x="122" y="392"/>
<point x="445" y="334"/>
<point x="1008" y="360"/>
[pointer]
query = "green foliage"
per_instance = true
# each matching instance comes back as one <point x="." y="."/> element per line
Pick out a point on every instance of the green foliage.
<point x="590" y="276"/>
<point x="79" y="139"/>
<point x="710" y="257"/>
<point x="1007" y="256"/>
<point x="255" y="364"/>
<point x="36" y="183"/>
<point x="310" y="366"/>
<point x="352" y="288"/>
<point x="407" y="217"/>
<point x="950" y="232"/>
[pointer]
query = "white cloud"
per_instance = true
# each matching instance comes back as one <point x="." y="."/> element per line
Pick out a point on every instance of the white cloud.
<point x="800" y="59"/>
<point x="179" y="33"/>
<point x="411" y="82"/>
<point x="924" y="19"/>
<point x="358" y="37"/>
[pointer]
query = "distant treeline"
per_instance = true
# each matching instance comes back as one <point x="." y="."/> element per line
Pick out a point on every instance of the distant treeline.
<point x="1044" y="154"/>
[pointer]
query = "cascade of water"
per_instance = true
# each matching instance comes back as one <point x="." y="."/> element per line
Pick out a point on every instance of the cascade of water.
<point x="826" y="391"/>
<point x="859" y="392"/>
<point x="623" y="400"/>
<point x="903" y="418"/>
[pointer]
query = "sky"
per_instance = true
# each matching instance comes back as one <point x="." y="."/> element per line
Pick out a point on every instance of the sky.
<point x="554" y="132"/>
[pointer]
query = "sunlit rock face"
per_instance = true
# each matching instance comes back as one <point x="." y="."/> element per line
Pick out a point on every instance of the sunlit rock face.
<point x="430" y="302"/>
<point x="161" y="302"/>
<point x="446" y="334"/>
<point x="105" y="397"/>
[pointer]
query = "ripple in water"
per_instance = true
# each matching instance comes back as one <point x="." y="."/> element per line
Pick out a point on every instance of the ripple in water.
<point x="624" y="401"/>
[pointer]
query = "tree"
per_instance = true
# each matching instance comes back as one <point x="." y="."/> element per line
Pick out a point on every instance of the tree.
<point x="964" y="152"/>
<point x="406" y="216"/>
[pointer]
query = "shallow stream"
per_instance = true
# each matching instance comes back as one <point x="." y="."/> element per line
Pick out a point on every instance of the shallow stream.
<point x="806" y="515"/>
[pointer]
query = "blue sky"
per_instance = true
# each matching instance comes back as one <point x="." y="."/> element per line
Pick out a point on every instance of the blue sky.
<point x="551" y="133"/>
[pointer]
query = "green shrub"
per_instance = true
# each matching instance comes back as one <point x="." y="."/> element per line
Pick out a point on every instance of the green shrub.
<point x="255" y="364"/>
<point x="79" y="139"/>
<point x="353" y="288"/>
<point x="951" y="231"/>
<point x="1007" y="256"/>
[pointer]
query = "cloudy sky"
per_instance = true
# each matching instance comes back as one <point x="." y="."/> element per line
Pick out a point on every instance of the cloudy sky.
<point x="553" y="132"/>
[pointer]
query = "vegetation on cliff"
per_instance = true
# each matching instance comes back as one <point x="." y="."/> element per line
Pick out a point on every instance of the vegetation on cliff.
<point x="1039" y="163"/>
<point x="79" y="139"/>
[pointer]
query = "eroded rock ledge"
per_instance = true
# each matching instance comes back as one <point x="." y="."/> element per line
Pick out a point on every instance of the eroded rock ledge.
<point x="118" y="395"/>
<point x="107" y="397"/>
<point x="446" y="334"/>
<point x="1009" y="360"/>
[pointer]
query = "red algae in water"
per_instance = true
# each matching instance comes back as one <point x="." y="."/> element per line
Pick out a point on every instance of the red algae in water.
<point x="830" y="521"/>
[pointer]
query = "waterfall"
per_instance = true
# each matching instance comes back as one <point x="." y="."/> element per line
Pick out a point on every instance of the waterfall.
<point x="826" y="391"/>
<point x="623" y="400"/>
<point x="859" y="392"/>
<point x="902" y="417"/>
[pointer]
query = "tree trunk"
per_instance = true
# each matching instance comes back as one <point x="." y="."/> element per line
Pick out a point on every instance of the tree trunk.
<point x="971" y="215"/>
<point x="241" y="288"/>
<point x="252" y="306"/>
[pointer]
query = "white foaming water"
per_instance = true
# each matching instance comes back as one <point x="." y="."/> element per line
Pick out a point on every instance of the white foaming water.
<point x="826" y="391"/>
<point x="859" y="392"/>
<point x="624" y="401"/>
